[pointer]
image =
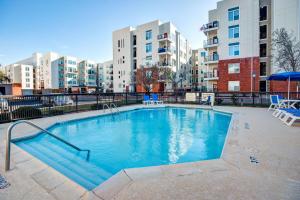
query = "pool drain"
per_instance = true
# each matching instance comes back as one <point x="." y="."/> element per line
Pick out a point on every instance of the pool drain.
<point x="253" y="160"/>
<point x="3" y="183"/>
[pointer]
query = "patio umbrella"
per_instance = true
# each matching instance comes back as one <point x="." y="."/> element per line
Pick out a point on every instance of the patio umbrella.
<point x="286" y="76"/>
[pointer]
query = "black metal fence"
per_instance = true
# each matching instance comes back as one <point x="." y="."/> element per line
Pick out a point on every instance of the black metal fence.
<point x="35" y="106"/>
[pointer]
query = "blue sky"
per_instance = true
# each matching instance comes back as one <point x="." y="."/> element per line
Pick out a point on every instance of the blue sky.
<point x="83" y="28"/>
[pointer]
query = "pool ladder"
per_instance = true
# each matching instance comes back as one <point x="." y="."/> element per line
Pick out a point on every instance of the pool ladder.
<point x="110" y="106"/>
<point x="8" y="141"/>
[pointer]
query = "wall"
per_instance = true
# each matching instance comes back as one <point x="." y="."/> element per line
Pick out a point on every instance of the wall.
<point x="244" y="76"/>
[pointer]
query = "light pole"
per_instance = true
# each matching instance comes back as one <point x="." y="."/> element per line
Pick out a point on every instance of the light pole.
<point x="253" y="76"/>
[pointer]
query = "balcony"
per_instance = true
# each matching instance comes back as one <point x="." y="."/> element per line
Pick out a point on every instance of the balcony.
<point x="211" y="59"/>
<point x="164" y="50"/>
<point x="163" y="37"/>
<point x="210" y="26"/>
<point x="211" y="76"/>
<point x="214" y="42"/>
<point x="164" y="64"/>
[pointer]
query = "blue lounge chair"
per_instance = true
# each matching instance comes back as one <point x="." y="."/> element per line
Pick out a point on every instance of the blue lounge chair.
<point x="146" y="100"/>
<point x="155" y="99"/>
<point x="275" y="101"/>
<point x="291" y="116"/>
<point x="281" y="111"/>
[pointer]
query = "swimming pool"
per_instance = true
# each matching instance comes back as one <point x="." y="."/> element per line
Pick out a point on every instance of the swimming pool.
<point x="136" y="138"/>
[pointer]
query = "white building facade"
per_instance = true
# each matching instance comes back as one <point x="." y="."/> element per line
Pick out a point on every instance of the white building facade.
<point x="153" y="43"/>
<point x="239" y="42"/>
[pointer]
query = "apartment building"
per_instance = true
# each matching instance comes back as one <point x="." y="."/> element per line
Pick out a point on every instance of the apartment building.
<point x="22" y="75"/>
<point x="87" y="73"/>
<point x="239" y="40"/>
<point x="106" y="76"/>
<point x="197" y="71"/>
<point x="52" y="71"/>
<point x="150" y="44"/>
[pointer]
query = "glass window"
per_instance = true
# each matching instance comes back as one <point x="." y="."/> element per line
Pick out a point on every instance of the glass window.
<point x="234" y="49"/>
<point x="149" y="35"/>
<point x="233" y="86"/>
<point x="234" y="14"/>
<point x="263" y="13"/>
<point x="148" y="47"/>
<point x="234" y="31"/>
<point x="234" y="68"/>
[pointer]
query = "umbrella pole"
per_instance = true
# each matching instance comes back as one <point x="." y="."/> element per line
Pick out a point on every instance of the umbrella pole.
<point x="289" y="91"/>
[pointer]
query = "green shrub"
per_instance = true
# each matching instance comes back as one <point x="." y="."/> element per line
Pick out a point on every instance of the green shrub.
<point x="56" y="112"/>
<point x="26" y="112"/>
<point x="96" y="107"/>
<point x="4" y="117"/>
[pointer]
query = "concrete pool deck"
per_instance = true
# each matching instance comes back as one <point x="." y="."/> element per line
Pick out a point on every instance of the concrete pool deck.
<point x="254" y="132"/>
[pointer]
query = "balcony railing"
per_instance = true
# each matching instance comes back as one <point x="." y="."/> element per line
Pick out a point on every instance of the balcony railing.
<point x="162" y="36"/>
<point x="211" y="75"/>
<point x="212" y="58"/>
<point x="164" y="50"/>
<point x="163" y="64"/>
<point x="210" y="42"/>
<point x="211" y="25"/>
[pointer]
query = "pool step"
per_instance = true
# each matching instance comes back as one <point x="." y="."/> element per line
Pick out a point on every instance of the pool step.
<point x="69" y="162"/>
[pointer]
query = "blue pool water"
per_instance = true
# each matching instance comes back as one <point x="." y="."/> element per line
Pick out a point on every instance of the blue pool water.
<point x="138" y="138"/>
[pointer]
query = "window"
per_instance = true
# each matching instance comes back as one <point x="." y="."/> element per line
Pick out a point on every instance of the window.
<point x="27" y="80"/>
<point x="119" y="43"/>
<point x="263" y="69"/>
<point x="134" y="64"/>
<point x="27" y="69"/>
<point x="263" y="13"/>
<point x="234" y="68"/>
<point x="134" y="40"/>
<point x="149" y="35"/>
<point x="262" y="86"/>
<point x="233" y="14"/>
<point x="233" y="86"/>
<point x="134" y="52"/>
<point x="234" y="31"/>
<point x="148" y="47"/>
<point x="148" y="60"/>
<point x="263" y="50"/>
<point x="234" y="49"/>
<point x="203" y="54"/>
<point x="263" y="32"/>
<point x="27" y="74"/>
<point x="27" y="85"/>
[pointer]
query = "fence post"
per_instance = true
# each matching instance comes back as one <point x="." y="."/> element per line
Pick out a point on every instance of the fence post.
<point x="49" y="103"/>
<point x="126" y="98"/>
<point x="253" y="98"/>
<point x="76" y="101"/>
<point x="97" y="100"/>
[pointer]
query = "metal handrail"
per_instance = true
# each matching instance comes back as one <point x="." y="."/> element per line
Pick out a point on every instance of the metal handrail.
<point x="115" y="106"/>
<point x="106" y="106"/>
<point x="8" y="141"/>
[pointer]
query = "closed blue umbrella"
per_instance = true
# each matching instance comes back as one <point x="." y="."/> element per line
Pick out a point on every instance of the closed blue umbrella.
<point x="286" y="76"/>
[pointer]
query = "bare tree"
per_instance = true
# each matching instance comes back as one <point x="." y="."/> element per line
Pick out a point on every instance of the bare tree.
<point x="287" y="51"/>
<point x="147" y="77"/>
<point x="166" y="74"/>
<point x="4" y="78"/>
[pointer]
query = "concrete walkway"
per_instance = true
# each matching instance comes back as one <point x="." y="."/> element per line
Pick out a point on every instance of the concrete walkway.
<point x="254" y="133"/>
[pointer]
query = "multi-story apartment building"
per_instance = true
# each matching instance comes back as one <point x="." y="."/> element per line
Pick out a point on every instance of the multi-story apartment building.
<point x="56" y="72"/>
<point x="106" y="76"/>
<point x="197" y="71"/>
<point x="239" y="42"/>
<point x="87" y="73"/>
<point x="20" y="74"/>
<point x="153" y="43"/>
